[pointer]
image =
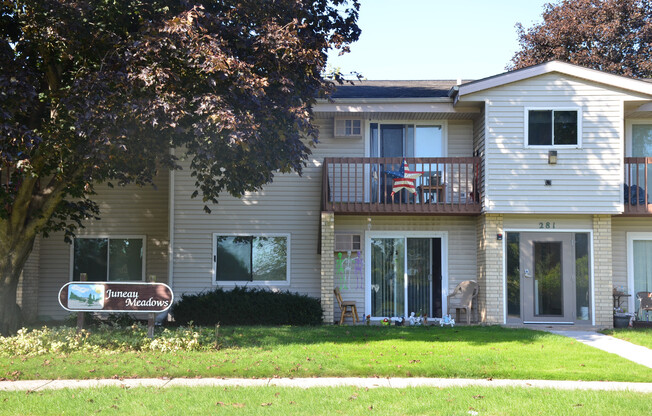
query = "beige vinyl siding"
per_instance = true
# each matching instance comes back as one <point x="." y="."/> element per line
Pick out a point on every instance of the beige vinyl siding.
<point x="584" y="180"/>
<point x="460" y="138"/>
<point x="288" y="205"/>
<point x="130" y="210"/>
<point x="462" y="247"/>
<point x="620" y="226"/>
<point x="555" y="222"/>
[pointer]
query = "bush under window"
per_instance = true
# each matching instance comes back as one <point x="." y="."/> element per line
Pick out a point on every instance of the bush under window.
<point x="247" y="306"/>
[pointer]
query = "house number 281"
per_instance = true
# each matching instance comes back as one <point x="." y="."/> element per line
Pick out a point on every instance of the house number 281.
<point x="546" y="225"/>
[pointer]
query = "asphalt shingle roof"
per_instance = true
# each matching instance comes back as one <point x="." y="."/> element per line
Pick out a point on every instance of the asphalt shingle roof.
<point x="394" y="89"/>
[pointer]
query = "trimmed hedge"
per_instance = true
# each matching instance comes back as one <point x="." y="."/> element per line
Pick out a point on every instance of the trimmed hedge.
<point x="247" y="306"/>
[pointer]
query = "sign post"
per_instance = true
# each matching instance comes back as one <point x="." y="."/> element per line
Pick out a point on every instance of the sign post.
<point x="152" y="316"/>
<point x="80" y="315"/>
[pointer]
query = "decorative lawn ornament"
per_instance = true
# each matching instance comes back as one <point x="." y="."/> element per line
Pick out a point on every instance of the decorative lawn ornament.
<point x="447" y="320"/>
<point x="404" y="178"/>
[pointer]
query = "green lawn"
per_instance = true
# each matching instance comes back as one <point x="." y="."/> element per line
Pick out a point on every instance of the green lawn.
<point x="325" y="401"/>
<point x="638" y="336"/>
<point x="259" y="352"/>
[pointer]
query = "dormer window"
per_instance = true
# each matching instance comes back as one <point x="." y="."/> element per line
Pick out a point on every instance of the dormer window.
<point x="554" y="127"/>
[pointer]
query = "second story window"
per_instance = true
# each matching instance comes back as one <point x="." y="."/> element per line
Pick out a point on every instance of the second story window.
<point x="552" y="128"/>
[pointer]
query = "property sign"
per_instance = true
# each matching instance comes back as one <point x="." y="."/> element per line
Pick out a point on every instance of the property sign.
<point x="115" y="297"/>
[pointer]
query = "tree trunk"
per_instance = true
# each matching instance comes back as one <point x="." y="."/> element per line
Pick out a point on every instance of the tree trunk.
<point x="13" y="257"/>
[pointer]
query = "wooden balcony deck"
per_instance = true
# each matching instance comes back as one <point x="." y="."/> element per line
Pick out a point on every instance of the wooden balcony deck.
<point x="638" y="181"/>
<point x="448" y="186"/>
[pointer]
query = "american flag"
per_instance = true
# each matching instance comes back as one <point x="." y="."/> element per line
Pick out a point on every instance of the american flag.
<point x="404" y="178"/>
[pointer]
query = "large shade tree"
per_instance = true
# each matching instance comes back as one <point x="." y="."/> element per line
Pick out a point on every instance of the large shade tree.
<point x="609" y="35"/>
<point x="98" y="91"/>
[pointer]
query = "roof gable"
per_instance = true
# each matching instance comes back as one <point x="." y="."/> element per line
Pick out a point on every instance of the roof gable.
<point x="632" y="84"/>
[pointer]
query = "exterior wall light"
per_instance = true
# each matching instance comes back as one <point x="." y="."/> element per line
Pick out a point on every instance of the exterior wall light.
<point x="552" y="157"/>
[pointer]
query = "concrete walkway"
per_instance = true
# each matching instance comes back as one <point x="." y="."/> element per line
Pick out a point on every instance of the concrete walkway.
<point x="40" y="385"/>
<point x="632" y="352"/>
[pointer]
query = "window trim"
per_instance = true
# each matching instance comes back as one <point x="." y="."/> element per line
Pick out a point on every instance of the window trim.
<point x="213" y="259"/>
<point x="143" y="237"/>
<point x="526" y="127"/>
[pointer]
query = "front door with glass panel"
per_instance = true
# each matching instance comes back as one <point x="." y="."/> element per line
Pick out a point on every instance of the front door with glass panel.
<point x="547" y="272"/>
<point x="402" y="281"/>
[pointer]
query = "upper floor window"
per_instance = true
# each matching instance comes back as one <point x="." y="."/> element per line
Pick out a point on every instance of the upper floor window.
<point x="108" y="259"/>
<point x="559" y="127"/>
<point x="251" y="258"/>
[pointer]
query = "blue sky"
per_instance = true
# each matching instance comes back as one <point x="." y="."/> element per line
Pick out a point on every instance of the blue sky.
<point x="437" y="39"/>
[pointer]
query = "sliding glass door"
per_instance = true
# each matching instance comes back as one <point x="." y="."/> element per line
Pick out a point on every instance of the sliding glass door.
<point x="401" y="275"/>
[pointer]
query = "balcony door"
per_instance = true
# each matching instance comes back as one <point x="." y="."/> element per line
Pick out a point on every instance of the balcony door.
<point x="406" y="140"/>
<point x="640" y="143"/>
<point x="401" y="141"/>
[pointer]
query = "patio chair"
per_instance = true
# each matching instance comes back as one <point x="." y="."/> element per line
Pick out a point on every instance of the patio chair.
<point x="462" y="297"/>
<point x="347" y="308"/>
<point x="645" y="304"/>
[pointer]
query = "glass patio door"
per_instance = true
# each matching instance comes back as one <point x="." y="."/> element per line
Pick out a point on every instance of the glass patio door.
<point x="642" y="262"/>
<point x="401" y="276"/>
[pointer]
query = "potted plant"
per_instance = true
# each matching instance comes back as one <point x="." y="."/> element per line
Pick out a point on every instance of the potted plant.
<point x="621" y="318"/>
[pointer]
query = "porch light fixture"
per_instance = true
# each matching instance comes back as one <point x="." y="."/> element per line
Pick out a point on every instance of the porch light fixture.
<point x="552" y="157"/>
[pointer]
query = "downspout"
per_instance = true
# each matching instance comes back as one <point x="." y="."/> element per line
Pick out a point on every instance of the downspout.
<point x="171" y="227"/>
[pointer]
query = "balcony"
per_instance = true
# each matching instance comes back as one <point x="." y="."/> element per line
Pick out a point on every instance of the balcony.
<point x="638" y="179"/>
<point x="446" y="185"/>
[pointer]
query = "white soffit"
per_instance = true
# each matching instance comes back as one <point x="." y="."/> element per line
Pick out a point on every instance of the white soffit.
<point x="561" y="67"/>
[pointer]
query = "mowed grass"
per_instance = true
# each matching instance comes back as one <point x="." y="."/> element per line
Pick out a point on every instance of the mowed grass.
<point x="361" y="351"/>
<point x="638" y="336"/>
<point x="324" y="401"/>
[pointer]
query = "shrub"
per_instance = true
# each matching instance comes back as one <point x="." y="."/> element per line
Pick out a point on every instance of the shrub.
<point x="247" y="306"/>
<point x="105" y="339"/>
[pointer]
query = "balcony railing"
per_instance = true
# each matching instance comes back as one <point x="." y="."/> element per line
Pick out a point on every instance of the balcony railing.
<point x="446" y="185"/>
<point x="638" y="179"/>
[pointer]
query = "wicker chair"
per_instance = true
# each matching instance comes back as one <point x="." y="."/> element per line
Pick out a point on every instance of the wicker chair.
<point x="645" y="304"/>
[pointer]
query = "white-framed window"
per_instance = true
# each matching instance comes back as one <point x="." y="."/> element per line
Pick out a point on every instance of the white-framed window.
<point x="104" y="258"/>
<point x="258" y="258"/>
<point x="553" y="127"/>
